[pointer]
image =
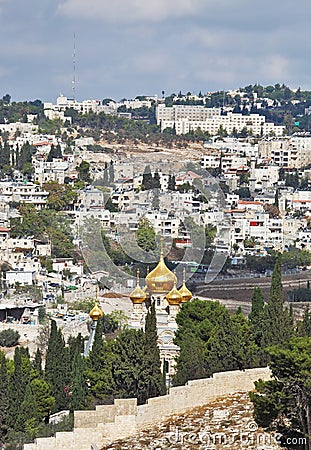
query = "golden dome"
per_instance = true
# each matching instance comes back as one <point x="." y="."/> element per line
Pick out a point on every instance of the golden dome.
<point x="96" y="313"/>
<point x="174" y="297"/>
<point x="138" y="295"/>
<point x="184" y="291"/>
<point x="160" y="280"/>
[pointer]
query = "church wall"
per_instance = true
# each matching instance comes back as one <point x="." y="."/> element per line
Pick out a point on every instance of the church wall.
<point x="124" y="418"/>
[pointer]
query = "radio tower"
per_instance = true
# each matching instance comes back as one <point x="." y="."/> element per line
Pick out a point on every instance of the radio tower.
<point x="74" y="68"/>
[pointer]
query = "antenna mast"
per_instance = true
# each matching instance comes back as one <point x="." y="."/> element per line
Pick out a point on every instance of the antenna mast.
<point x="74" y="68"/>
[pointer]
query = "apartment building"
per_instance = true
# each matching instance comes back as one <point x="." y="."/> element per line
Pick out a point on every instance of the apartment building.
<point x="185" y="119"/>
<point x="179" y="112"/>
<point x="46" y="171"/>
<point x="29" y="193"/>
<point x="291" y="152"/>
<point x="63" y="103"/>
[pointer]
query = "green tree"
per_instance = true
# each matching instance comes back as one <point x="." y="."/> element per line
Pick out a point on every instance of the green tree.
<point x="96" y="352"/>
<point x="57" y="368"/>
<point x="283" y="404"/>
<point x="84" y="172"/>
<point x="54" y="153"/>
<point x="111" y="172"/>
<point x="16" y="391"/>
<point x="28" y="170"/>
<point x="152" y="362"/>
<point x="156" y="180"/>
<point x="304" y="326"/>
<point x="232" y="346"/>
<point x="61" y="196"/>
<point x="171" y="182"/>
<point x="99" y="375"/>
<point x="212" y="340"/>
<point x="9" y="337"/>
<point x="37" y="364"/>
<point x="146" y="236"/>
<point x="78" y="386"/>
<point x="27" y="414"/>
<point x="256" y="316"/>
<point x="131" y="377"/>
<point x="4" y="399"/>
<point x="36" y="407"/>
<point x="191" y="361"/>
<point x="278" y="323"/>
<point x="147" y="179"/>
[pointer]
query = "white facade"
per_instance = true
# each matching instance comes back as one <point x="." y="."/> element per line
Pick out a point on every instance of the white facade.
<point x="294" y="151"/>
<point x="24" y="193"/>
<point x="20" y="277"/>
<point x="51" y="171"/>
<point x="53" y="111"/>
<point x="185" y="119"/>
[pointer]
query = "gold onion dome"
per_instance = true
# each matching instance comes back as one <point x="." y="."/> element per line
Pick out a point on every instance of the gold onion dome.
<point x="138" y="295"/>
<point x="96" y="313"/>
<point x="160" y="280"/>
<point x="174" y="297"/>
<point x="184" y="291"/>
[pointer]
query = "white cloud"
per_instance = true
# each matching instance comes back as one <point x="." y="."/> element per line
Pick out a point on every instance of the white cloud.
<point x="275" y="67"/>
<point x="129" y="10"/>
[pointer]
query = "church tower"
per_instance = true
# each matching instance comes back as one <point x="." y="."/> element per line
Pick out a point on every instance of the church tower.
<point x="161" y="289"/>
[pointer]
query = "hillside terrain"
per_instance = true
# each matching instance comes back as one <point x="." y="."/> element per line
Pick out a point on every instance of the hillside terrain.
<point x="226" y="423"/>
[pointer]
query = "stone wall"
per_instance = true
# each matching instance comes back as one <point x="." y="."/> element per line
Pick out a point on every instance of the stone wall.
<point x="107" y="423"/>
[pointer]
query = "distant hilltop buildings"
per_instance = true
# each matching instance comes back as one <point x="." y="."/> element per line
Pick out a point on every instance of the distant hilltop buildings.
<point x="187" y="118"/>
<point x="182" y="118"/>
<point x="58" y="110"/>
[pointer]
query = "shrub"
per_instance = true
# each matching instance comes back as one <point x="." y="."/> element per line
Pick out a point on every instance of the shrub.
<point x="9" y="338"/>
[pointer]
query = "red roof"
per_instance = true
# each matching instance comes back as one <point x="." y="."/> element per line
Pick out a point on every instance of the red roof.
<point x="40" y="144"/>
<point x="4" y="230"/>
<point x="247" y="202"/>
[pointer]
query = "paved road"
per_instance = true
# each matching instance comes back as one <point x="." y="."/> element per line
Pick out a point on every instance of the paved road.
<point x="242" y="288"/>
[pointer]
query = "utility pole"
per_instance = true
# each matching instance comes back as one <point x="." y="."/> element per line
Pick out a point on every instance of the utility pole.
<point x="74" y="68"/>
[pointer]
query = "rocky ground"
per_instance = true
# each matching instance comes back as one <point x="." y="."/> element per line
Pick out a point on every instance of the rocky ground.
<point x="226" y="423"/>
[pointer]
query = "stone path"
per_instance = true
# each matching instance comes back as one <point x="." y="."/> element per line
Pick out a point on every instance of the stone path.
<point x="226" y="423"/>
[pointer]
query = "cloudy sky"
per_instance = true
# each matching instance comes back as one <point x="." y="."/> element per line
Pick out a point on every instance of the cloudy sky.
<point x="126" y="48"/>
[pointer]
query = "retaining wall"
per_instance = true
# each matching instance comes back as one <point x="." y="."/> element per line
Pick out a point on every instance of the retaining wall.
<point x="124" y="418"/>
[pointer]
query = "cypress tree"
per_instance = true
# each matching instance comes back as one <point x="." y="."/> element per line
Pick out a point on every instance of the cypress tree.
<point x="256" y="315"/>
<point x="191" y="360"/>
<point x="76" y="345"/>
<point x="278" y="323"/>
<point x="27" y="411"/>
<point x="4" y="400"/>
<point x="16" y="389"/>
<point x="171" y="183"/>
<point x="37" y="364"/>
<point x="147" y="179"/>
<point x="78" y="388"/>
<point x="51" y="351"/>
<point x="111" y="173"/>
<point x="57" y="368"/>
<point x="156" y="180"/>
<point x="128" y="369"/>
<point x="304" y="327"/>
<point x="152" y="362"/>
<point x="55" y="152"/>
<point x="94" y="360"/>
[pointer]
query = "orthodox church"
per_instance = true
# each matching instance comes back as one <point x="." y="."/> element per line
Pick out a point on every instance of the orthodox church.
<point x="161" y="288"/>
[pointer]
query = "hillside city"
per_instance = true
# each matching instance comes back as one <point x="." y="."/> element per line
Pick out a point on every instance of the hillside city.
<point x="143" y="221"/>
